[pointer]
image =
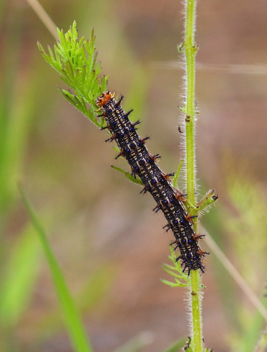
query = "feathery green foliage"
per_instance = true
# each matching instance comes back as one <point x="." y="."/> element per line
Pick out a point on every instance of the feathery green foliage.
<point x="75" y="60"/>
<point x="176" y="271"/>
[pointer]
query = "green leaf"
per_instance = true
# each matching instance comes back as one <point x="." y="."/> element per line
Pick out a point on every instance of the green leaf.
<point x="175" y="271"/>
<point x="72" y="318"/>
<point x="170" y="269"/>
<point x="172" y="284"/>
<point x="80" y="104"/>
<point x="128" y="175"/>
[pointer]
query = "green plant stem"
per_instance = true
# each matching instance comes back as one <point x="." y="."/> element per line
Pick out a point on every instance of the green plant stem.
<point x="190" y="55"/>
<point x="196" y="311"/>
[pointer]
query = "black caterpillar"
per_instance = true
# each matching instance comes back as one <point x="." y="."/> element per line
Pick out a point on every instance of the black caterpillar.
<point x="144" y="165"/>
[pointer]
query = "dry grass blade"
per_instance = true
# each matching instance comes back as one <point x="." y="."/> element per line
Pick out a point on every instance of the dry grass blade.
<point x="40" y="12"/>
<point x="236" y="276"/>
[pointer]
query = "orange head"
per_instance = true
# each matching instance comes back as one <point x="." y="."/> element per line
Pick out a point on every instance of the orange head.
<point x="104" y="98"/>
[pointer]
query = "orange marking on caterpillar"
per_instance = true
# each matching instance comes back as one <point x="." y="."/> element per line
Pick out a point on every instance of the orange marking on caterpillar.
<point x="104" y="98"/>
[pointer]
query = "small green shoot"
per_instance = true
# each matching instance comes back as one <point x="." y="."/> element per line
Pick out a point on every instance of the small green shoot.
<point x="176" y="176"/>
<point x="209" y="199"/>
<point x="203" y="205"/>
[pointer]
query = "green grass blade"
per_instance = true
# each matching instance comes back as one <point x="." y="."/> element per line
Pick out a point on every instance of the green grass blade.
<point x="262" y="343"/>
<point x="72" y="318"/>
<point x="19" y="279"/>
<point x="176" y="346"/>
<point x="137" y="343"/>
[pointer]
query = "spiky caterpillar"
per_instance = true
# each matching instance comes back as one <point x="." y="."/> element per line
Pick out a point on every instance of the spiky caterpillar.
<point x="156" y="182"/>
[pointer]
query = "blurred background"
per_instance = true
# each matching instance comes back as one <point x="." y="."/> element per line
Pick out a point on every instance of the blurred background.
<point x="107" y="240"/>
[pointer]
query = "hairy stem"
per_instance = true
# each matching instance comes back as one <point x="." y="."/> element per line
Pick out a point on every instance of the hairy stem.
<point x="196" y="311"/>
<point x="190" y="56"/>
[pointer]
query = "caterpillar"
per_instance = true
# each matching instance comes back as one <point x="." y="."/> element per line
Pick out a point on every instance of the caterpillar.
<point x="144" y="165"/>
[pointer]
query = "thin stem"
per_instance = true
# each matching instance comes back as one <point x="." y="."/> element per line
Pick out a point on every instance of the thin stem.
<point x="44" y="17"/>
<point x="190" y="55"/>
<point x="196" y="311"/>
